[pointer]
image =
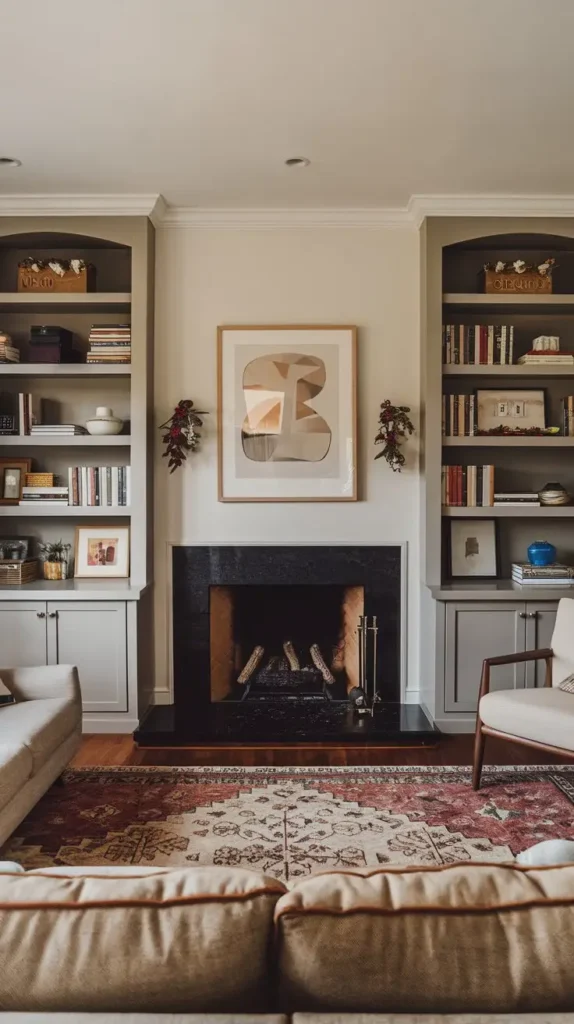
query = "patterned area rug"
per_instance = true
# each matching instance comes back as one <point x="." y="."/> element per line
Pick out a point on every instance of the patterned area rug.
<point x="293" y="821"/>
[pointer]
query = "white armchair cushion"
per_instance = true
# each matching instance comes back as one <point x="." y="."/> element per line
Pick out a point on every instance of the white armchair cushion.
<point x="563" y="642"/>
<point x="545" y="715"/>
<point x="44" y="681"/>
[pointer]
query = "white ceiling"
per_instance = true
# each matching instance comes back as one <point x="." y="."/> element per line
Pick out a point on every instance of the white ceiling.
<point x="203" y="100"/>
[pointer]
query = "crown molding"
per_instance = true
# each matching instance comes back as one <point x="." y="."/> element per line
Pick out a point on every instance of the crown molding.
<point x="186" y="216"/>
<point x="135" y="205"/>
<point x="421" y="206"/>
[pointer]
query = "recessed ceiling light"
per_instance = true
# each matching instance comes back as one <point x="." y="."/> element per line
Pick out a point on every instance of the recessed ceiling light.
<point x="9" y="161"/>
<point x="297" y="161"/>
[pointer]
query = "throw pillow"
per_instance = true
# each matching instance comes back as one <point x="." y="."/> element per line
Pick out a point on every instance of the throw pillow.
<point x="567" y="684"/>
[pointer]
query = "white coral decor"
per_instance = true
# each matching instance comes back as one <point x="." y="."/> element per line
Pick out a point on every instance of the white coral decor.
<point x="499" y="267"/>
<point x="76" y="266"/>
<point x="57" y="268"/>
<point x="519" y="266"/>
<point x="35" y="268"/>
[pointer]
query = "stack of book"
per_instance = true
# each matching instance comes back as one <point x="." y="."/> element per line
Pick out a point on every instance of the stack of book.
<point x="543" y="575"/>
<point x="516" y="499"/>
<point x="99" y="485"/>
<point x="481" y="345"/>
<point x="458" y="415"/>
<point x="8" y="352"/>
<point x="44" y="496"/>
<point x="57" y="430"/>
<point x="568" y="416"/>
<point x="539" y="358"/>
<point x="468" y="486"/>
<point x="110" y="343"/>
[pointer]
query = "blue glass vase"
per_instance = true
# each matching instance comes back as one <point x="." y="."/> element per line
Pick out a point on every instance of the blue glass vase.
<point x="541" y="552"/>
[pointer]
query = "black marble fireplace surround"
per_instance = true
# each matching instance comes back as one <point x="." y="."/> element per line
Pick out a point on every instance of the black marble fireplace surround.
<point x="252" y="594"/>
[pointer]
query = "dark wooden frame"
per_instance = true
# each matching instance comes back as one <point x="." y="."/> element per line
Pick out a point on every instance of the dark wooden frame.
<point x="448" y="546"/>
<point x="24" y="465"/>
<point x="482" y="731"/>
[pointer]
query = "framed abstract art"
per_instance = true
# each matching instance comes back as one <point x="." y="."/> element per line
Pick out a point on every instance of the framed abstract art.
<point x="287" y="413"/>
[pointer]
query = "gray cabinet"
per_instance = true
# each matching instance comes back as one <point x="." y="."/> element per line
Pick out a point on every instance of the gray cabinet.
<point x="22" y="633"/>
<point x="89" y="634"/>
<point x="92" y="635"/>
<point x="478" y="630"/>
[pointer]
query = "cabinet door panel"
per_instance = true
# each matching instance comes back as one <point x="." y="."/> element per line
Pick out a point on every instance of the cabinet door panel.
<point x="540" y="620"/>
<point x="475" y="631"/>
<point x="22" y="634"/>
<point x="92" y="635"/>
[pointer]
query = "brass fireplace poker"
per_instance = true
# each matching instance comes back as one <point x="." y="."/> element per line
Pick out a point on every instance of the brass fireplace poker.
<point x="368" y="636"/>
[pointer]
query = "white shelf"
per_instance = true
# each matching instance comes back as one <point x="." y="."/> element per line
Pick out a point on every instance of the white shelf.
<point x="64" y="511"/>
<point x="500" y="512"/>
<point x="544" y="370"/>
<point x="528" y="441"/>
<point x="75" y="441"/>
<point x="27" y="302"/>
<point x="65" y="370"/>
<point x="499" y="590"/>
<point x="74" y="590"/>
<point x="511" y="299"/>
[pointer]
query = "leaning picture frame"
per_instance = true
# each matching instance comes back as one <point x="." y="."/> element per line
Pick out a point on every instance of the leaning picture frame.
<point x="287" y="413"/>
<point x="473" y="549"/>
<point x="11" y="483"/>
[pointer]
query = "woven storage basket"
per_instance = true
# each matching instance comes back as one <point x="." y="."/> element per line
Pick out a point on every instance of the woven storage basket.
<point x="19" y="572"/>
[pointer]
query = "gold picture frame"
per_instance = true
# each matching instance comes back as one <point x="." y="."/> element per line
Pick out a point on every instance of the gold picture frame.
<point x="287" y="428"/>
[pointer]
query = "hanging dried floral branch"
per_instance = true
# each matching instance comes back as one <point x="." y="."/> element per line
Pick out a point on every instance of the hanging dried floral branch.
<point x="394" y="428"/>
<point x="181" y="433"/>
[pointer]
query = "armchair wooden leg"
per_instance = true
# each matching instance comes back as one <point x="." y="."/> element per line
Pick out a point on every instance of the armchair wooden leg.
<point x="479" y="742"/>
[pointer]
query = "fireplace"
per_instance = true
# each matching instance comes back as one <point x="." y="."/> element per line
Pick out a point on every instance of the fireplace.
<point x="266" y="646"/>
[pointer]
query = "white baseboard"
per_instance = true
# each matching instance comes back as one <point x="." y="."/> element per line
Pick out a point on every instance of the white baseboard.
<point x="97" y="725"/>
<point x="161" y="697"/>
<point x="454" y="725"/>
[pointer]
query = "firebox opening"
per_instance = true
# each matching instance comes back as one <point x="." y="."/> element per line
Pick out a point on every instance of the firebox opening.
<point x="284" y="642"/>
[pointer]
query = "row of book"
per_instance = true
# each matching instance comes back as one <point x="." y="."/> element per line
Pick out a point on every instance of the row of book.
<point x="110" y="343"/>
<point x="481" y="345"/>
<point x="468" y="486"/>
<point x="99" y="485"/>
<point x="568" y="416"/>
<point x="458" y="415"/>
<point x="543" y="575"/>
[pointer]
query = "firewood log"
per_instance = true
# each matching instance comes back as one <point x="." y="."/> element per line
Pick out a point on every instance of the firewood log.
<point x="320" y="663"/>
<point x="251" y="665"/>
<point x="291" y="655"/>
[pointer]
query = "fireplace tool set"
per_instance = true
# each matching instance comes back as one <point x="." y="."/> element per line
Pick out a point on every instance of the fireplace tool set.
<point x="365" y="695"/>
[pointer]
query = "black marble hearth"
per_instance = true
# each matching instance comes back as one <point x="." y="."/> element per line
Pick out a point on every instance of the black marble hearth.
<point x="231" y="602"/>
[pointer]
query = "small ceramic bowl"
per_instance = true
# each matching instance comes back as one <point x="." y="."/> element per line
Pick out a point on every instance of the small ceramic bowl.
<point x="104" y="422"/>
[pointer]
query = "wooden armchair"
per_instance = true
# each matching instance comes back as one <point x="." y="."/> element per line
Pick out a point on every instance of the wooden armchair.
<point x="541" y="718"/>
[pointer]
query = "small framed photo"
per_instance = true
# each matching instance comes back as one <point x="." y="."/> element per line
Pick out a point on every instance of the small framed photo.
<point x="12" y="476"/>
<point x="102" y="552"/>
<point x="473" y="549"/>
<point x="510" y="407"/>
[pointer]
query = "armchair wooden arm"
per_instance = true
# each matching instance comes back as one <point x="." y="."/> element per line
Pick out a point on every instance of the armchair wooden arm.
<point x="542" y="654"/>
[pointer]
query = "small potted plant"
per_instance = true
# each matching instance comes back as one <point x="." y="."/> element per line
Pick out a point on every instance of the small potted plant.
<point x="55" y="559"/>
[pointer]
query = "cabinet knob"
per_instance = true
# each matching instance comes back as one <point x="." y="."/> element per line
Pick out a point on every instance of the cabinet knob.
<point x="522" y="615"/>
<point x="52" y="615"/>
<point x="532" y="615"/>
<point x="41" y="615"/>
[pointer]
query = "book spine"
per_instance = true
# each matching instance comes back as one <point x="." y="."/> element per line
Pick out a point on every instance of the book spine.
<point x="510" y="345"/>
<point x="115" y="497"/>
<point x="70" y="486"/>
<point x="503" y="358"/>
<point x="128" y="486"/>
<point x="490" y="330"/>
<point x="479" y="485"/>
<point x="84" y="485"/>
<point x="461" y="415"/>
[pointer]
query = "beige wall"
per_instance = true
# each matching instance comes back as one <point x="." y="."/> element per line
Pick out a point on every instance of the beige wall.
<point x="208" y="276"/>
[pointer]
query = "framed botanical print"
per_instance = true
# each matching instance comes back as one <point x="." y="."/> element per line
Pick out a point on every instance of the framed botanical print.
<point x="287" y="413"/>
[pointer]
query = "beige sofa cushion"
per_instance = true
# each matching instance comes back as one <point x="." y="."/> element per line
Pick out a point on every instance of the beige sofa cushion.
<point x="15" y="769"/>
<point x="40" y="725"/>
<point x="464" y="938"/>
<point x="545" y="715"/>
<point x="196" y="939"/>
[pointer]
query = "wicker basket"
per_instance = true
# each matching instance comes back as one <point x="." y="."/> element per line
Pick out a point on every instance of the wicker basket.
<point x="18" y="572"/>
<point x="55" y="570"/>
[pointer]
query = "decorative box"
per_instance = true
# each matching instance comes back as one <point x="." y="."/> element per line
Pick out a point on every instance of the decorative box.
<point x="39" y="479"/>
<point x="528" y="283"/>
<point x="39" y="276"/>
<point x="52" y="344"/>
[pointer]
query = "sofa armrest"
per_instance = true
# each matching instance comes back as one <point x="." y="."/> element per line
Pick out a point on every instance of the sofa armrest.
<point x="42" y="681"/>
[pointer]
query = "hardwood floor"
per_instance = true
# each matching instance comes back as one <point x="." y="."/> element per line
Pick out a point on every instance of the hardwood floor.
<point x="450" y="750"/>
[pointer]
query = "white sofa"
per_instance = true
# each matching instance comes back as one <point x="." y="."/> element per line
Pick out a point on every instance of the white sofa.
<point x="39" y="734"/>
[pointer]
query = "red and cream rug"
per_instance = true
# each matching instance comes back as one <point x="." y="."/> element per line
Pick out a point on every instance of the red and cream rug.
<point x="293" y="821"/>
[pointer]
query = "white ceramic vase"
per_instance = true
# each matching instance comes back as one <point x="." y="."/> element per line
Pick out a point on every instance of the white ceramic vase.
<point x="104" y="422"/>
